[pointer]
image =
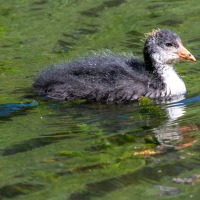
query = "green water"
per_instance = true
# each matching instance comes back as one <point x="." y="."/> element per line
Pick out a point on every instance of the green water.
<point x="79" y="150"/>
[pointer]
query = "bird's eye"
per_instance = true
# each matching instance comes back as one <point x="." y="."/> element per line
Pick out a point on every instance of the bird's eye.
<point x="168" y="44"/>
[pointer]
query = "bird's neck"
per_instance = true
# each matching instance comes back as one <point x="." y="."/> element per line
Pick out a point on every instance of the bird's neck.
<point x="174" y="86"/>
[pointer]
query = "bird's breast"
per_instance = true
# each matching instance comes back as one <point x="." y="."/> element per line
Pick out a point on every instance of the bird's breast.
<point x="174" y="84"/>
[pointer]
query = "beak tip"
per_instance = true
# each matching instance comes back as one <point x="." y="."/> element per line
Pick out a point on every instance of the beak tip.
<point x="193" y="59"/>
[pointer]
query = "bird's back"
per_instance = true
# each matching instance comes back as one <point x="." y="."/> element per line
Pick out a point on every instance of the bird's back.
<point x="106" y="77"/>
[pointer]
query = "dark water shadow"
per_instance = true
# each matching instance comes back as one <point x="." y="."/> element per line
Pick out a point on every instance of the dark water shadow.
<point x="171" y="22"/>
<point x="18" y="189"/>
<point x="38" y="5"/>
<point x="147" y="174"/>
<point x="40" y="2"/>
<point x="96" y="11"/>
<point x="34" y="143"/>
<point x="62" y="45"/>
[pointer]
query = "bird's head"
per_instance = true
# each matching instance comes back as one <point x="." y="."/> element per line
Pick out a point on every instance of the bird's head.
<point x="165" y="47"/>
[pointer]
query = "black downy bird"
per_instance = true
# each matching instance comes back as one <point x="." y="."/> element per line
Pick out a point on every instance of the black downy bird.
<point x="117" y="78"/>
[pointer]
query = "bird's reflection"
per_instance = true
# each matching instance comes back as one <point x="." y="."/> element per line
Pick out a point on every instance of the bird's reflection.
<point x="171" y="132"/>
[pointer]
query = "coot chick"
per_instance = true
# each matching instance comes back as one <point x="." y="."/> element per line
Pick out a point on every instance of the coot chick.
<point x="117" y="78"/>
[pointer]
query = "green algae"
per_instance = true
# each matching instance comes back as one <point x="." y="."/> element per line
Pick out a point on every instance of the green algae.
<point x="147" y="106"/>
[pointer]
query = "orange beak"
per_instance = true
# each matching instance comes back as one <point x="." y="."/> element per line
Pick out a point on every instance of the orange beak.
<point x="184" y="54"/>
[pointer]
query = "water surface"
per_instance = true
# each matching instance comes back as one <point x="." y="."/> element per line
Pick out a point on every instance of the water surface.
<point x="80" y="150"/>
